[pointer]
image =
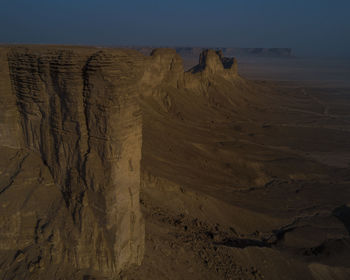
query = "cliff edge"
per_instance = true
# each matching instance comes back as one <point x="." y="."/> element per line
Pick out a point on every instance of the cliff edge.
<point x="71" y="138"/>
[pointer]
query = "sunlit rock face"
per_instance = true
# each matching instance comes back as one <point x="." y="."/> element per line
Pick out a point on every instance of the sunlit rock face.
<point x="71" y="135"/>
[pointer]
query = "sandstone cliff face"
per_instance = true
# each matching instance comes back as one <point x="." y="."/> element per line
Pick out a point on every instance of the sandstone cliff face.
<point x="71" y="138"/>
<point x="77" y="110"/>
<point x="9" y="132"/>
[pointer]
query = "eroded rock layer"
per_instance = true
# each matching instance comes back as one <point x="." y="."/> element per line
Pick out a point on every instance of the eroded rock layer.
<point x="75" y="121"/>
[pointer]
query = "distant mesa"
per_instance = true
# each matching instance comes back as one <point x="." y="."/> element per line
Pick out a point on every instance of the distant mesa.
<point x="190" y="54"/>
<point x="240" y="52"/>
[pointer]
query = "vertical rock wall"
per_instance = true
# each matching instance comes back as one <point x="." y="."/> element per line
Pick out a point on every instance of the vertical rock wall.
<point x="78" y="110"/>
<point x="9" y="126"/>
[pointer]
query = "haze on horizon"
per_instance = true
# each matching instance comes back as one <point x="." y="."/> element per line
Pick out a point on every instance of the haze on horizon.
<point x="310" y="28"/>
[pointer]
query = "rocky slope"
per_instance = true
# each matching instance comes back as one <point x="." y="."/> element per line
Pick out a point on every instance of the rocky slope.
<point x="245" y="180"/>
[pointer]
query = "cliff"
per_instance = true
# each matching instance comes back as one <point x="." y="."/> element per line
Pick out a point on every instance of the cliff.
<point x="77" y="111"/>
<point x="71" y="139"/>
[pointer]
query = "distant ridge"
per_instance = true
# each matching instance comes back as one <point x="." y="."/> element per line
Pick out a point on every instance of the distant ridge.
<point x="195" y="51"/>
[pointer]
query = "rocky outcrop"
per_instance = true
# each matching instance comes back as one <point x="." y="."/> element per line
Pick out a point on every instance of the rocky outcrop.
<point x="164" y="68"/>
<point x="211" y="62"/>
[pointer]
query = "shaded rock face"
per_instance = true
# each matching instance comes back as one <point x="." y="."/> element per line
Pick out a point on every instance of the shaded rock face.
<point x="71" y="138"/>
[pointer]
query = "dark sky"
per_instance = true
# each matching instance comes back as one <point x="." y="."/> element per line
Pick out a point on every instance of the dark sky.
<point x="310" y="27"/>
